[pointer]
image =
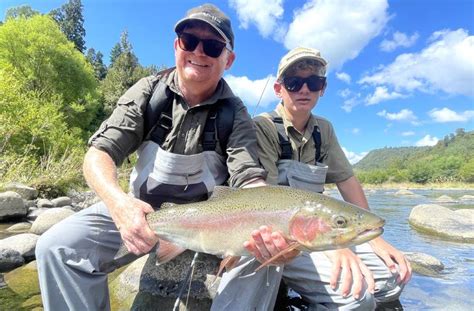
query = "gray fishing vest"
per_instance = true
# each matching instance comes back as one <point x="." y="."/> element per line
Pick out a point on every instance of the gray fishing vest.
<point x="161" y="176"/>
<point x="311" y="177"/>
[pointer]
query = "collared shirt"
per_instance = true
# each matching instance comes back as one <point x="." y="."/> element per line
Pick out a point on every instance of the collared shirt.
<point x="269" y="149"/>
<point x="123" y="132"/>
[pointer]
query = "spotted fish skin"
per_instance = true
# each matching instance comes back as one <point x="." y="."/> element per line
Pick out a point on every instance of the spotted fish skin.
<point x="222" y="224"/>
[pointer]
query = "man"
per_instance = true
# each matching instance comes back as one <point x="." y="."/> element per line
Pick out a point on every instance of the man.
<point x="177" y="162"/>
<point x="301" y="150"/>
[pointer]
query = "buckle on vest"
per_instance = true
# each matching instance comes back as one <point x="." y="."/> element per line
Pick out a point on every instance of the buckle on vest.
<point x="165" y="121"/>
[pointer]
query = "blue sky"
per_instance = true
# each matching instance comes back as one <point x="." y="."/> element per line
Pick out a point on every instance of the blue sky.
<point x="401" y="72"/>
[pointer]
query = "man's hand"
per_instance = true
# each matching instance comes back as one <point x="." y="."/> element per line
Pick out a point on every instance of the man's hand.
<point x="129" y="217"/>
<point x="391" y="256"/>
<point x="355" y="271"/>
<point x="264" y="244"/>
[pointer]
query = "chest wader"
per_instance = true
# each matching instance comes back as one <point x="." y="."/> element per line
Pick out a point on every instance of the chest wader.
<point x="161" y="176"/>
<point x="311" y="177"/>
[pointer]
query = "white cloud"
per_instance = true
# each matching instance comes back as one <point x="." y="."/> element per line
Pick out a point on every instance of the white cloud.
<point x="409" y="133"/>
<point x="398" y="39"/>
<point x="343" y="77"/>
<point x="403" y="115"/>
<point x="352" y="156"/>
<point x="381" y="93"/>
<point x="340" y="29"/>
<point x="447" y="115"/>
<point x="250" y="91"/>
<point x="356" y="130"/>
<point x="427" y="141"/>
<point x="446" y="64"/>
<point x="350" y="103"/>
<point x="345" y="93"/>
<point x="265" y="15"/>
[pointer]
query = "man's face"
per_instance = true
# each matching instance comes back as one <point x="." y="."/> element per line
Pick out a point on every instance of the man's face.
<point x="300" y="102"/>
<point x="196" y="66"/>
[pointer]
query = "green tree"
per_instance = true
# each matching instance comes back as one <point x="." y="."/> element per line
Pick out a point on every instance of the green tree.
<point x="37" y="54"/>
<point x="20" y="11"/>
<point x="70" y="20"/>
<point x="123" y="72"/>
<point x="95" y="59"/>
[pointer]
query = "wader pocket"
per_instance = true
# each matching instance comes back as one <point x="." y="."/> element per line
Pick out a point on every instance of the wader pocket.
<point x="302" y="176"/>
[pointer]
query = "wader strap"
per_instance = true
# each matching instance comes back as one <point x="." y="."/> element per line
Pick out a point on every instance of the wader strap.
<point x="317" y="143"/>
<point x="286" y="150"/>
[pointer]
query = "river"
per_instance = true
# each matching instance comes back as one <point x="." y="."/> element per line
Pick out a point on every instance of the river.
<point x="454" y="288"/>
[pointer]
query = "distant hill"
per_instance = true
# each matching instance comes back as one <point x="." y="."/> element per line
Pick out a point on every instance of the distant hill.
<point x="382" y="158"/>
<point x="451" y="159"/>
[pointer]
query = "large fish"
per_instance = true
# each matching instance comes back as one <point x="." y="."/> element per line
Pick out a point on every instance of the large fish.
<point x="220" y="225"/>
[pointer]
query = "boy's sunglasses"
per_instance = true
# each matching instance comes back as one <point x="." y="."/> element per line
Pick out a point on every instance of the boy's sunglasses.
<point x="211" y="47"/>
<point x="294" y="84"/>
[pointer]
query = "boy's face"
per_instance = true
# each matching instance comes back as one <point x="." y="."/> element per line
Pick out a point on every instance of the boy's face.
<point x="302" y="101"/>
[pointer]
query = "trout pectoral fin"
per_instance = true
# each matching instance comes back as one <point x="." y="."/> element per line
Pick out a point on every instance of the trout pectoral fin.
<point x="283" y="252"/>
<point x="228" y="263"/>
<point x="167" y="251"/>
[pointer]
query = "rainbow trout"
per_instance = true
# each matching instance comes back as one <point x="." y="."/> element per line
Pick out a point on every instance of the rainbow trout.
<point x="220" y="225"/>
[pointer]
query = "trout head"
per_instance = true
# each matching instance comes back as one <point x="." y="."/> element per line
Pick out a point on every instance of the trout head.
<point x="333" y="224"/>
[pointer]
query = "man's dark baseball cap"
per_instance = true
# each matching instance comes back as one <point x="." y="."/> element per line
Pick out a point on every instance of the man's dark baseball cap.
<point x="212" y="16"/>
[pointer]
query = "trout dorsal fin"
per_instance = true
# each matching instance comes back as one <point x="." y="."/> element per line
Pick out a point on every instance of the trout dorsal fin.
<point x="221" y="192"/>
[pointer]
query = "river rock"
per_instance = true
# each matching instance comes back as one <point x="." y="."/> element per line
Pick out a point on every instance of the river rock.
<point x="143" y="285"/>
<point x="44" y="203"/>
<point x="10" y="259"/>
<point x="48" y="218"/>
<point x="26" y="192"/>
<point x="23" y="243"/>
<point x="424" y="264"/>
<point x="467" y="197"/>
<point x="24" y="280"/>
<point x="20" y="227"/>
<point x="440" y="221"/>
<point x="404" y="192"/>
<point x="11" y="205"/>
<point x="61" y="201"/>
<point x="445" y="199"/>
<point x="34" y="212"/>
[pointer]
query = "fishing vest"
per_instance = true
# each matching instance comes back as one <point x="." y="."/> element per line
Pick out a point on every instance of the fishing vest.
<point x="161" y="176"/>
<point x="296" y="174"/>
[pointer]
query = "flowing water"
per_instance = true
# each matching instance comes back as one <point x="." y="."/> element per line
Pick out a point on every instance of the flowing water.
<point x="454" y="288"/>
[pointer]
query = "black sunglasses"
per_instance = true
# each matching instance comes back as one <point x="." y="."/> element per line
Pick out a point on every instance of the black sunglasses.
<point x="294" y="84"/>
<point x="211" y="47"/>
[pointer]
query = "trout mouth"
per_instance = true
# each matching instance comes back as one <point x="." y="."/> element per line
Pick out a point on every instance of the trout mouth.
<point x="369" y="234"/>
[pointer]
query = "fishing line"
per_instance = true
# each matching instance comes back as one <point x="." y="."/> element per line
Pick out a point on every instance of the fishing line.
<point x="184" y="283"/>
<point x="261" y="95"/>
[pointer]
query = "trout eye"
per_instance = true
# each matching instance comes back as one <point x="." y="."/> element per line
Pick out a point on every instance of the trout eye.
<point x="340" y="221"/>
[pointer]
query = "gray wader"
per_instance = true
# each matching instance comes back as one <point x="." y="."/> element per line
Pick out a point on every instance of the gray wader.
<point x="309" y="274"/>
<point x="75" y="255"/>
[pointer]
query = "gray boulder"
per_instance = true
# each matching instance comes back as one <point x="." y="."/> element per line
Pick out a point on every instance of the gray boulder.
<point x="61" y="201"/>
<point x="34" y="212"/>
<point x="44" y="203"/>
<point x="404" y="192"/>
<point x="440" y="221"/>
<point x="23" y="243"/>
<point x="48" y="218"/>
<point x="425" y="264"/>
<point x="467" y="197"/>
<point x="20" y="227"/>
<point x="143" y="285"/>
<point x="26" y="192"/>
<point x="445" y="199"/>
<point x="11" y="205"/>
<point x="10" y="259"/>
